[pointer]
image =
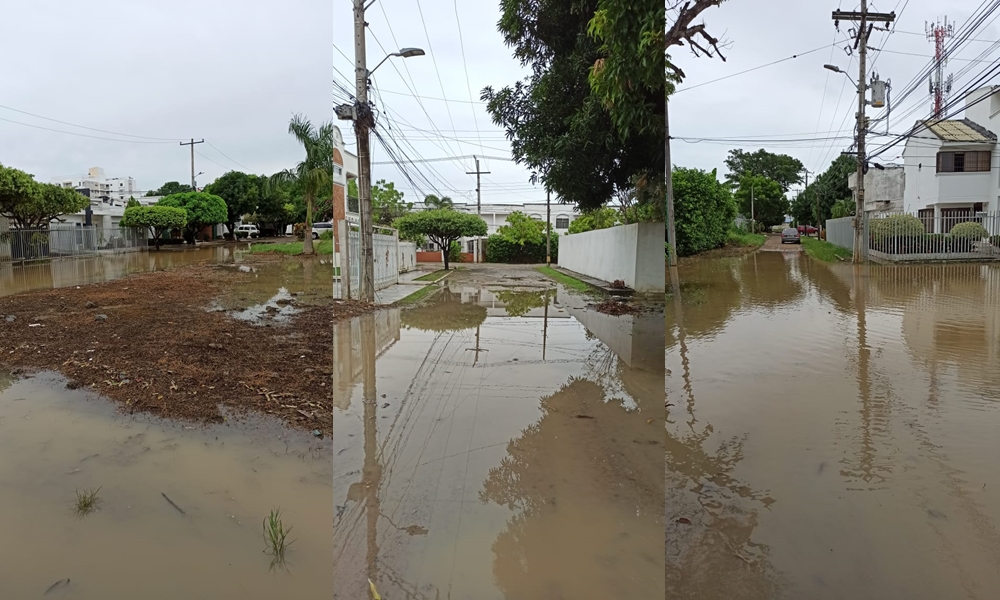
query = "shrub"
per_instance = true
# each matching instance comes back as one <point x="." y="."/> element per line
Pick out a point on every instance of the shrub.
<point x="704" y="210"/>
<point x="969" y="230"/>
<point x="501" y="250"/>
<point x="299" y="230"/>
<point x="326" y="235"/>
<point x="895" y="225"/>
<point x="455" y="252"/>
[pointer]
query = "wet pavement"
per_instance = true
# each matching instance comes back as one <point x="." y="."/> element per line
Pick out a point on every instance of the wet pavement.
<point x="497" y="445"/>
<point x="16" y="279"/>
<point x="831" y="430"/>
<point x="138" y="544"/>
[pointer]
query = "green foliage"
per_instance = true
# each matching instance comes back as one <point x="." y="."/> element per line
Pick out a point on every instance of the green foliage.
<point x="518" y="304"/>
<point x="32" y="205"/>
<point x="895" y="225"/>
<point x="780" y="168"/>
<point x="745" y="239"/>
<point x="969" y="229"/>
<point x="828" y="187"/>
<point x="157" y="218"/>
<point x="768" y="200"/>
<point x="704" y="210"/>
<point x="502" y="250"/>
<point x="202" y="209"/>
<point x="442" y="226"/>
<point x="313" y="176"/>
<point x="431" y="201"/>
<point x="599" y="218"/>
<point x="132" y="202"/>
<point x="825" y="251"/>
<point x="558" y="125"/>
<point x="843" y="208"/>
<point x="387" y="203"/>
<point x="522" y="229"/>
<point x="326" y="235"/>
<point x="455" y="252"/>
<point x="170" y="188"/>
<point x="240" y="192"/>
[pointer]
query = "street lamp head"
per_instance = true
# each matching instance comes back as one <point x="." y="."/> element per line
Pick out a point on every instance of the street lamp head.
<point x="410" y="52"/>
<point x="833" y="68"/>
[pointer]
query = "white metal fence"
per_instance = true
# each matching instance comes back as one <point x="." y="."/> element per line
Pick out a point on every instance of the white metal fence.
<point x="385" y="243"/>
<point x="57" y="241"/>
<point x="900" y="237"/>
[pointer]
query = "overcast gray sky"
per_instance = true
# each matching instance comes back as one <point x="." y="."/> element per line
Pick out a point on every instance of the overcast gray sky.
<point x="231" y="73"/>
<point x="798" y="98"/>
<point x="459" y="126"/>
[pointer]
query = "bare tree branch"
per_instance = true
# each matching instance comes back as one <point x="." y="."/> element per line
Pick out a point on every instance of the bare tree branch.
<point x="683" y="31"/>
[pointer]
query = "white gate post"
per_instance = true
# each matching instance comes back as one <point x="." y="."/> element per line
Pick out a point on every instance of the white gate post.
<point x="344" y="232"/>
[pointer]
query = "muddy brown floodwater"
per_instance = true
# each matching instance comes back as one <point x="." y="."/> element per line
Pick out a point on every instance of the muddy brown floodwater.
<point x="137" y="544"/>
<point x="499" y="445"/>
<point x="832" y="431"/>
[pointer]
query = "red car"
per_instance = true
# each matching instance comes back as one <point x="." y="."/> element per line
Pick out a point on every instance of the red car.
<point x="807" y="229"/>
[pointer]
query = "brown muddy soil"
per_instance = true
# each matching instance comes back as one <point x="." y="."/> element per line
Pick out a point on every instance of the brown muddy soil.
<point x="149" y="342"/>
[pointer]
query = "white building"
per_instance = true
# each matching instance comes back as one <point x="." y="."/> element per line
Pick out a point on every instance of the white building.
<point x="884" y="189"/>
<point x="96" y="186"/>
<point x="951" y="165"/>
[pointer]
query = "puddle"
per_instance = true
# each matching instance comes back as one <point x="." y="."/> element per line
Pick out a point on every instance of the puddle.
<point x="832" y="430"/>
<point x="498" y="445"/>
<point x="138" y="544"/>
<point x="272" y="292"/>
<point x="16" y="279"/>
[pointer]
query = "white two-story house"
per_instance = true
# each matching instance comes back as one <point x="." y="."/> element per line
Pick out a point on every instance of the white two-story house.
<point x="952" y="168"/>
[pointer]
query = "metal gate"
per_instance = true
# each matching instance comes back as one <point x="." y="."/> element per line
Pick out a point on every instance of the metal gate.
<point x="385" y="243"/>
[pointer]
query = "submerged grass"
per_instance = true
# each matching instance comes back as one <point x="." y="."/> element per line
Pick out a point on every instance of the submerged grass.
<point x="566" y="280"/>
<point x="825" y="251"/>
<point x="418" y="295"/>
<point x="276" y="536"/>
<point x="87" y="501"/>
<point x="433" y="276"/>
<point x="292" y="248"/>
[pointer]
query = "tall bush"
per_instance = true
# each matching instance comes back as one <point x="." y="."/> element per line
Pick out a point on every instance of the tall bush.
<point x="704" y="210"/>
<point x="969" y="229"/>
<point x="895" y="225"/>
<point x="501" y="250"/>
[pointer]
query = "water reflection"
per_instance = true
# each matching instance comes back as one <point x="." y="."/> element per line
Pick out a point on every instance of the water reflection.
<point x="830" y="431"/>
<point x="490" y="446"/>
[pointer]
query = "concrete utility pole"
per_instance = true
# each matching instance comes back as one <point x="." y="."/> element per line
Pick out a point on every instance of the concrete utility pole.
<point x="548" y="230"/>
<point x="668" y="170"/>
<point x="479" y="200"/>
<point x="192" y="143"/>
<point x="866" y="22"/>
<point x="366" y="289"/>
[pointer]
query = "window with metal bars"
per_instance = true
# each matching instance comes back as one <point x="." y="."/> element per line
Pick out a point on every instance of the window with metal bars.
<point x="976" y="161"/>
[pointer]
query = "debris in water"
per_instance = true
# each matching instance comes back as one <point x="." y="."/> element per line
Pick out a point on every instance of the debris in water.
<point x="936" y="513"/>
<point x="167" y="498"/>
<point x="584" y="417"/>
<point x="34" y="324"/>
<point x="56" y="585"/>
<point x="100" y="317"/>
<point x="317" y="433"/>
<point x="386" y="405"/>
<point x="683" y="521"/>
<point x="415" y="530"/>
<point x="89" y="304"/>
<point x="616" y="309"/>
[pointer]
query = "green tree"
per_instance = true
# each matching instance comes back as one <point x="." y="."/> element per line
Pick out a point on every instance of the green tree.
<point x="764" y="198"/>
<point x="843" y="208"/>
<point x="600" y="218"/>
<point x="704" y="209"/>
<point x="432" y="201"/>
<point x="157" y="219"/>
<point x="803" y="207"/>
<point x="522" y="229"/>
<point x="442" y="226"/>
<point x="314" y="175"/>
<point x="202" y="209"/>
<point x="275" y="207"/>
<point x="241" y="194"/>
<point x="170" y="187"/>
<point x="387" y="203"/>
<point x="132" y="202"/>
<point x="558" y="126"/>
<point x="781" y="168"/>
<point x="32" y="205"/>
<point x="831" y="186"/>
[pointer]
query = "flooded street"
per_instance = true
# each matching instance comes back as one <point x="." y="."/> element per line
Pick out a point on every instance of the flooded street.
<point x="832" y="430"/>
<point x="498" y="445"/>
<point x="16" y="279"/>
<point x="179" y="511"/>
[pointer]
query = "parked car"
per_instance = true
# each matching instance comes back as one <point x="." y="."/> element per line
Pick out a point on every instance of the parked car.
<point x="807" y="230"/>
<point x="319" y="228"/>
<point x="247" y="230"/>
<point x="790" y="236"/>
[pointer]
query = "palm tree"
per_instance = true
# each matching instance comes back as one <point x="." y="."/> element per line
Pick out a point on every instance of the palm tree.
<point x="843" y="208"/>
<point x="314" y="174"/>
<point x="431" y="201"/>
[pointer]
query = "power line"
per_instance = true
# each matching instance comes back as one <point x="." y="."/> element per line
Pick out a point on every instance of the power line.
<point x="468" y="83"/>
<point x="697" y="85"/>
<point x="24" y="112"/>
<point x="95" y="137"/>
<point x="430" y="48"/>
<point x="448" y="158"/>
<point x="227" y="156"/>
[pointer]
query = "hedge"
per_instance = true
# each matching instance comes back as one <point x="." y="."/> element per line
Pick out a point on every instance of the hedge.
<point x="500" y="250"/>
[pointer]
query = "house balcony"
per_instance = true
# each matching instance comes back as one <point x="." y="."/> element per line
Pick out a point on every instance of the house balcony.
<point x="964" y="188"/>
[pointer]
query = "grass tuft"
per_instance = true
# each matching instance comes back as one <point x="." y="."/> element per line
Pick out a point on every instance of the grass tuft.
<point x="87" y="502"/>
<point x="434" y="276"/>
<point x="276" y="536"/>
<point x="418" y="295"/>
<point x="566" y="280"/>
<point x="293" y="248"/>
<point x="744" y="239"/>
<point x="825" y="251"/>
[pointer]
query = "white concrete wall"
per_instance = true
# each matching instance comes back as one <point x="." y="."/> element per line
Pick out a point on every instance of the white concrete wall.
<point x="632" y="253"/>
<point x="964" y="187"/>
<point x="407" y="256"/>
<point x="884" y="189"/>
<point x="920" y="166"/>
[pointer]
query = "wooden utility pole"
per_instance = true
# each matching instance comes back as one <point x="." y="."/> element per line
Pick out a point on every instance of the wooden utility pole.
<point x="671" y="228"/>
<point x="192" y="143"/>
<point x="548" y="228"/>
<point x="866" y="22"/>
<point x="479" y="200"/>
<point x="362" y="120"/>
